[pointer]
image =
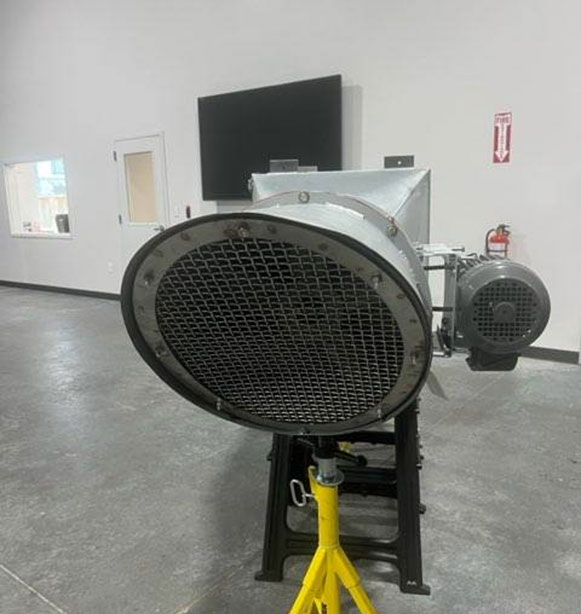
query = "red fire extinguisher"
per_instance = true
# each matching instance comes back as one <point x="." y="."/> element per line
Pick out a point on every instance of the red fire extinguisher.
<point x="497" y="241"/>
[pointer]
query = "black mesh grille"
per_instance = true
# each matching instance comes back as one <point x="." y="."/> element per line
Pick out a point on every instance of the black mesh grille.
<point x="279" y="331"/>
<point x="511" y="291"/>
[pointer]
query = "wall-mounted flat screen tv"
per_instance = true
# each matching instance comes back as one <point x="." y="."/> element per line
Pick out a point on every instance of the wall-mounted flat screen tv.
<point x="242" y="131"/>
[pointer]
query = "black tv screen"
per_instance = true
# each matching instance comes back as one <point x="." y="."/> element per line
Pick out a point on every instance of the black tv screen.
<point x="241" y="132"/>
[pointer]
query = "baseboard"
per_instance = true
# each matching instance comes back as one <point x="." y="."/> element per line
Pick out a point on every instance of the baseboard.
<point x="567" y="356"/>
<point x="77" y="291"/>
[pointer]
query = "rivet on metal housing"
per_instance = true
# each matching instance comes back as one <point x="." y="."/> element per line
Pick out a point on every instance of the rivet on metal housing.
<point x="391" y="227"/>
<point x="160" y="351"/>
<point x="375" y="280"/>
<point x="243" y="231"/>
<point x="304" y="197"/>
<point x="148" y="278"/>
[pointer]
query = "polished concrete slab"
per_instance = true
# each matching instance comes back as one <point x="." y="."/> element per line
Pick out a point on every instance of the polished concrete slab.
<point x="120" y="497"/>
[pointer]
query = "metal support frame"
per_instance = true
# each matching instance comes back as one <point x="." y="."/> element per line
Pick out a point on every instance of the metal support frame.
<point x="450" y="257"/>
<point x="289" y="459"/>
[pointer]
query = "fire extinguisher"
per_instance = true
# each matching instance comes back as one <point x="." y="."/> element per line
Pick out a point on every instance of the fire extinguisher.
<point x="497" y="241"/>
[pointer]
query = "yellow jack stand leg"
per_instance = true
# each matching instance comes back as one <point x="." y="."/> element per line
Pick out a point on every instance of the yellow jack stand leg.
<point x="330" y="567"/>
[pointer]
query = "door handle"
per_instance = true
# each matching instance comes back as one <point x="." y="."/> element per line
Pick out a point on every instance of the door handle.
<point x="159" y="228"/>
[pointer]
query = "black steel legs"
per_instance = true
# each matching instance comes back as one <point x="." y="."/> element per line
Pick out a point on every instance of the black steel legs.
<point x="290" y="458"/>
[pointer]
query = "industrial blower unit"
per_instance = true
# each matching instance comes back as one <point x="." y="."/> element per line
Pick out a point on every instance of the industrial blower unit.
<point x="310" y="313"/>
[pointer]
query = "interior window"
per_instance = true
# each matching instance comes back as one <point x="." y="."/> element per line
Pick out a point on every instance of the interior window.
<point x="37" y="197"/>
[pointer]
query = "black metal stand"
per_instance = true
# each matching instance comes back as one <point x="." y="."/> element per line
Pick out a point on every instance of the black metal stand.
<point x="289" y="459"/>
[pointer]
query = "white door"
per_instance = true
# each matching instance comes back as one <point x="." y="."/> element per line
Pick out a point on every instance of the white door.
<point x="141" y="175"/>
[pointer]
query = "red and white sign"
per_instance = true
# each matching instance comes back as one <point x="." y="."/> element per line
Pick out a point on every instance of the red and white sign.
<point x="502" y="138"/>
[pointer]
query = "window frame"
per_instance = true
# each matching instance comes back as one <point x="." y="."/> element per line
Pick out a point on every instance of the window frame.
<point x="66" y="236"/>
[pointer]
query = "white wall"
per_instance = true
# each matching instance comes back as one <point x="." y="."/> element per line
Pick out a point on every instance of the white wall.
<point x="424" y="77"/>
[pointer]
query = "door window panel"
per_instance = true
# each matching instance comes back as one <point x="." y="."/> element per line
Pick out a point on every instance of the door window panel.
<point x="140" y="179"/>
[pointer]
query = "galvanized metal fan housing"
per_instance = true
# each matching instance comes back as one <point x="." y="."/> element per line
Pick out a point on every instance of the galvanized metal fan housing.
<point x="309" y="314"/>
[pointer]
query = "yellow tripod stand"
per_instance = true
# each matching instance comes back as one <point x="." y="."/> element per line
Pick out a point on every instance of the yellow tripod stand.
<point x="330" y="567"/>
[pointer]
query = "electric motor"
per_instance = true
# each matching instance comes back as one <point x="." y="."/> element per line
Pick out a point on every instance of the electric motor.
<point x="502" y="307"/>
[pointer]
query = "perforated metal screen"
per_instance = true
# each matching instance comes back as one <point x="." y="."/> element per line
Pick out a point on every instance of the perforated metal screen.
<point x="279" y="331"/>
<point x="517" y="293"/>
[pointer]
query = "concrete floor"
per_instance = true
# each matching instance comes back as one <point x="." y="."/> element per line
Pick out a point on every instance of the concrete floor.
<point x="117" y="496"/>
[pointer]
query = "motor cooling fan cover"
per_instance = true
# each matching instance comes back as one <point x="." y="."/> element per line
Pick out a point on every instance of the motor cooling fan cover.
<point x="503" y="306"/>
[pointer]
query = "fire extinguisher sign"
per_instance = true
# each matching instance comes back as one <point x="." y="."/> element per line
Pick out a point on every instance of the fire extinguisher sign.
<point x="502" y="138"/>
